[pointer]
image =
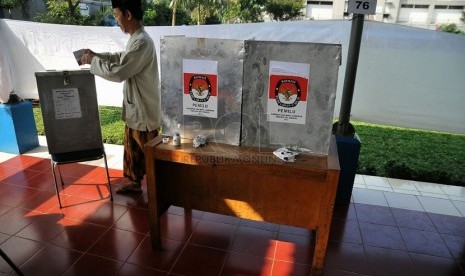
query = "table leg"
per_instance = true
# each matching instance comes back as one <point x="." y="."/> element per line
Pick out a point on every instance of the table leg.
<point x="155" y="236"/>
<point x="154" y="216"/>
<point x="319" y="254"/>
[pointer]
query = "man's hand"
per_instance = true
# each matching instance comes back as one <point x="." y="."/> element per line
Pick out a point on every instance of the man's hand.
<point x="87" y="56"/>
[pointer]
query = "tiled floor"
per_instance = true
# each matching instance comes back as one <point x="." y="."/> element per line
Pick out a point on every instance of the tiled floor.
<point x="391" y="227"/>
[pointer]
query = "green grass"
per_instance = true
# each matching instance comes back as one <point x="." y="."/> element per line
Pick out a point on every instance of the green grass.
<point x="110" y="121"/>
<point x="413" y="154"/>
<point x="112" y="125"/>
<point x="395" y="152"/>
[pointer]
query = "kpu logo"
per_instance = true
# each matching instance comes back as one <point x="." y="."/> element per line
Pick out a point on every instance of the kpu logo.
<point x="200" y="88"/>
<point x="287" y="92"/>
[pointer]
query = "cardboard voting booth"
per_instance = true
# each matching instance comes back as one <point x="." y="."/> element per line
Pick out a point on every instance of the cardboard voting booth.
<point x="289" y="91"/>
<point x="263" y="94"/>
<point x="201" y="87"/>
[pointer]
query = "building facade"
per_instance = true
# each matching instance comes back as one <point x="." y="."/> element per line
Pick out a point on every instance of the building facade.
<point x="427" y="14"/>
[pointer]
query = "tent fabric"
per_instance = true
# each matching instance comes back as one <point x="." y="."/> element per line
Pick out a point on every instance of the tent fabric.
<point x="406" y="76"/>
<point x="6" y="84"/>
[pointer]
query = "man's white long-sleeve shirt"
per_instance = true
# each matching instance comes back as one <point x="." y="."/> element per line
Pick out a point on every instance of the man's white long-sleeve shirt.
<point x="137" y="67"/>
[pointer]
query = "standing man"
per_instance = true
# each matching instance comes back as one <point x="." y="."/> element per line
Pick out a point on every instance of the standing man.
<point x="137" y="67"/>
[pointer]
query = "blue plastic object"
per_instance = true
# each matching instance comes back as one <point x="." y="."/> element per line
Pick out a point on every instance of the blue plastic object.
<point x="348" y="151"/>
<point x="18" y="132"/>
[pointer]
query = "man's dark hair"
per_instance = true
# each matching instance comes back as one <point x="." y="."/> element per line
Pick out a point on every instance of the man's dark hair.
<point x="134" y="6"/>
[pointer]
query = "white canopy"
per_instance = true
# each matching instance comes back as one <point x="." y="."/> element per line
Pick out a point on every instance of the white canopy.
<point x="406" y="76"/>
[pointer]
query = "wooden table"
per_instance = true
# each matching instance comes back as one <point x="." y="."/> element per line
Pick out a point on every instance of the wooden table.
<point x="244" y="182"/>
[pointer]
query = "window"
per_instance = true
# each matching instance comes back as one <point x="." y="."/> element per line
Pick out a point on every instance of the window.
<point x="411" y="6"/>
<point x="444" y="7"/>
<point x="320" y="3"/>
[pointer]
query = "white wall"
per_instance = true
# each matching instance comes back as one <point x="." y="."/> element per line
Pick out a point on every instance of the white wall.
<point x="319" y="12"/>
<point x="443" y="16"/>
<point x="413" y="15"/>
<point x="406" y="76"/>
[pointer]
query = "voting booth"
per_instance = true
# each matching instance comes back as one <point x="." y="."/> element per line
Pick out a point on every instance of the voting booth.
<point x="201" y="87"/>
<point x="264" y="94"/>
<point x="289" y="91"/>
<point x="68" y="100"/>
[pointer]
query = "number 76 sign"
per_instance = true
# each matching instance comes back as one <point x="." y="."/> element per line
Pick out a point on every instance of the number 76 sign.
<point x="362" y="6"/>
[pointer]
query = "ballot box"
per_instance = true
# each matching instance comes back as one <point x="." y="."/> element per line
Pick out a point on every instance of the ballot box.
<point x="68" y="100"/>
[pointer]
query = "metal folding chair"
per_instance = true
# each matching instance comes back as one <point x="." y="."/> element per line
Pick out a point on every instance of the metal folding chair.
<point x="10" y="263"/>
<point x="75" y="157"/>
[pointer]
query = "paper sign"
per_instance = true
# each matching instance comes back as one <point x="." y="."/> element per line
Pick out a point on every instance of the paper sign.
<point x="66" y="103"/>
<point x="362" y="6"/>
<point x="288" y="92"/>
<point x="200" y="88"/>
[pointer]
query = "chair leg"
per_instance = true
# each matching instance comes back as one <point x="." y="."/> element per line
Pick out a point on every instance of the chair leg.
<point x="61" y="177"/>
<point x="10" y="262"/>
<point x="108" y="176"/>
<point x="56" y="184"/>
